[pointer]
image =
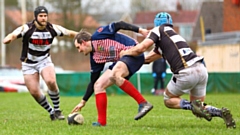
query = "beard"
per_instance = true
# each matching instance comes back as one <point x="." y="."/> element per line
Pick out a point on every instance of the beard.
<point x="40" y="25"/>
<point x="43" y="23"/>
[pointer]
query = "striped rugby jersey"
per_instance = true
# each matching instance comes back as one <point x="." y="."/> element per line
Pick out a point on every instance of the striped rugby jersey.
<point x="107" y="50"/>
<point x="107" y="44"/>
<point x="37" y="43"/>
<point x="173" y="48"/>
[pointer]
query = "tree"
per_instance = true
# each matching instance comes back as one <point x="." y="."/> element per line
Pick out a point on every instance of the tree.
<point x="11" y="2"/>
<point x="69" y="9"/>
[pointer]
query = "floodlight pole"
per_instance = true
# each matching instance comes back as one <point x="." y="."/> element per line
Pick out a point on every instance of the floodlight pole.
<point x="139" y="82"/>
<point x="24" y="15"/>
<point x="3" y="46"/>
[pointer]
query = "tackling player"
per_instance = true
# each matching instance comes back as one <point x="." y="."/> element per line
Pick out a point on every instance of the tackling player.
<point x="189" y="73"/>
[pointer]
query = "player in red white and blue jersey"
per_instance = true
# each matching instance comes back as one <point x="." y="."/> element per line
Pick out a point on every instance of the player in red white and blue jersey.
<point x="37" y="37"/>
<point x="104" y="46"/>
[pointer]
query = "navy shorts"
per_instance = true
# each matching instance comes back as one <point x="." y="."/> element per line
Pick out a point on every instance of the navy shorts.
<point x="134" y="63"/>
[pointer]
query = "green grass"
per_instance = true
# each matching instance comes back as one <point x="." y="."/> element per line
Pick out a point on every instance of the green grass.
<point x="21" y="115"/>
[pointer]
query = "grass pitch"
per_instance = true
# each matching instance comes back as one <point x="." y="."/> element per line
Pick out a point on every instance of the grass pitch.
<point x="21" y="115"/>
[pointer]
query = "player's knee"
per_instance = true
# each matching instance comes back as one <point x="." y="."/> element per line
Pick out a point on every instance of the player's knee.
<point x="98" y="87"/>
<point x="52" y="85"/>
<point x="168" y="103"/>
<point x="165" y="96"/>
<point x="50" y="82"/>
<point x="115" y="76"/>
<point x="113" y="79"/>
<point x="166" y="100"/>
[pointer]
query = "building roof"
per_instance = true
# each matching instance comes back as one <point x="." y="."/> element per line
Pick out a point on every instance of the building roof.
<point x="179" y="17"/>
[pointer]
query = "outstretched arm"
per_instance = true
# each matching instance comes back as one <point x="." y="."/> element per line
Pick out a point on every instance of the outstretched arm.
<point x="127" y="26"/>
<point x="63" y="31"/>
<point x="9" y="38"/>
<point x="17" y="33"/>
<point x="88" y="93"/>
<point x="71" y="33"/>
<point x="138" y="49"/>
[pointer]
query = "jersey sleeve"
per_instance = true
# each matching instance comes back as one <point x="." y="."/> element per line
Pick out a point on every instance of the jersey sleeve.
<point x="154" y="35"/>
<point x="20" y="31"/>
<point x="61" y="31"/>
<point x="125" y="26"/>
<point x="90" y="88"/>
<point x="95" y="73"/>
<point x="96" y="67"/>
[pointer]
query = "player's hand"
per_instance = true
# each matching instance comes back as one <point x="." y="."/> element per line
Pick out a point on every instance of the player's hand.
<point x="144" y="32"/>
<point x="7" y="40"/>
<point x="122" y="53"/>
<point x="79" y="106"/>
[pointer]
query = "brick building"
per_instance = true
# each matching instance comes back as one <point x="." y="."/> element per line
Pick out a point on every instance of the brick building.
<point x="231" y="15"/>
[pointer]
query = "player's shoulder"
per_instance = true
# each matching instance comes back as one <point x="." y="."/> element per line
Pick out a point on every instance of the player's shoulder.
<point x="56" y="27"/>
<point x="28" y="24"/>
<point x="104" y="29"/>
<point x="50" y="24"/>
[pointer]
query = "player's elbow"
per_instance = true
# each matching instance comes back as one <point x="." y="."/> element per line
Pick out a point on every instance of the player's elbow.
<point x="147" y="61"/>
<point x="141" y="50"/>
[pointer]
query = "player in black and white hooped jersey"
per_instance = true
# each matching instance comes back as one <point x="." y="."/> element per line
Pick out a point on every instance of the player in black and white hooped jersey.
<point x="37" y="37"/>
<point x="189" y="72"/>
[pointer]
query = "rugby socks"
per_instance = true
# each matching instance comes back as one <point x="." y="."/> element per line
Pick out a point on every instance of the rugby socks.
<point x="186" y="105"/>
<point x="215" y="112"/>
<point x="129" y="88"/>
<point x="101" y="104"/>
<point x="45" y="104"/>
<point x="54" y="96"/>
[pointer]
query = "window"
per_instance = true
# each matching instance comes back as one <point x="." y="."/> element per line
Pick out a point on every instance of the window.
<point x="186" y="32"/>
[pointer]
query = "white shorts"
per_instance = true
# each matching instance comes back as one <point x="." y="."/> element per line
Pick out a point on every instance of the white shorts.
<point x="192" y="80"/>
<point x="36" y="67"/>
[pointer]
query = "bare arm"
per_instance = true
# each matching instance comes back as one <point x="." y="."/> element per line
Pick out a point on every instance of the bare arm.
<point x="9" y="38"/>
<point x="144" y="32"/>
<point x="66" y="32"/>
<point x="72" y="33"/>
<point x="152" y="56"/>
<point x="17" y="33"/>
<point x="88" y="93"/>
<point x="138" y="49"/>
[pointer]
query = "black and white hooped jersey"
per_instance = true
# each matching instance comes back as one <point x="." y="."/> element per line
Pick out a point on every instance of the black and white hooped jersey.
<point x="173" y="48"/>
<point x="36" y="43"/>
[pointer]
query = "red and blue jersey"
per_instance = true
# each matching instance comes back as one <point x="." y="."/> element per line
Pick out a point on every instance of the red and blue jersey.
<point x="107" y="44"/>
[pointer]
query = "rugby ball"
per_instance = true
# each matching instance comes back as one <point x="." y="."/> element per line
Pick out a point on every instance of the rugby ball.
<point x="75" y="119"/>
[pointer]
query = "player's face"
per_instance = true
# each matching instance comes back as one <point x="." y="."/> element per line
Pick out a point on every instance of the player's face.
<point x="42" y="18"/>
<point x="82" y="47"/>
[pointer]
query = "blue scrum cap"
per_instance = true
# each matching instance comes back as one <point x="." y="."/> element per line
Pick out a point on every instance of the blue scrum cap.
<point x="162" y="18"/>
